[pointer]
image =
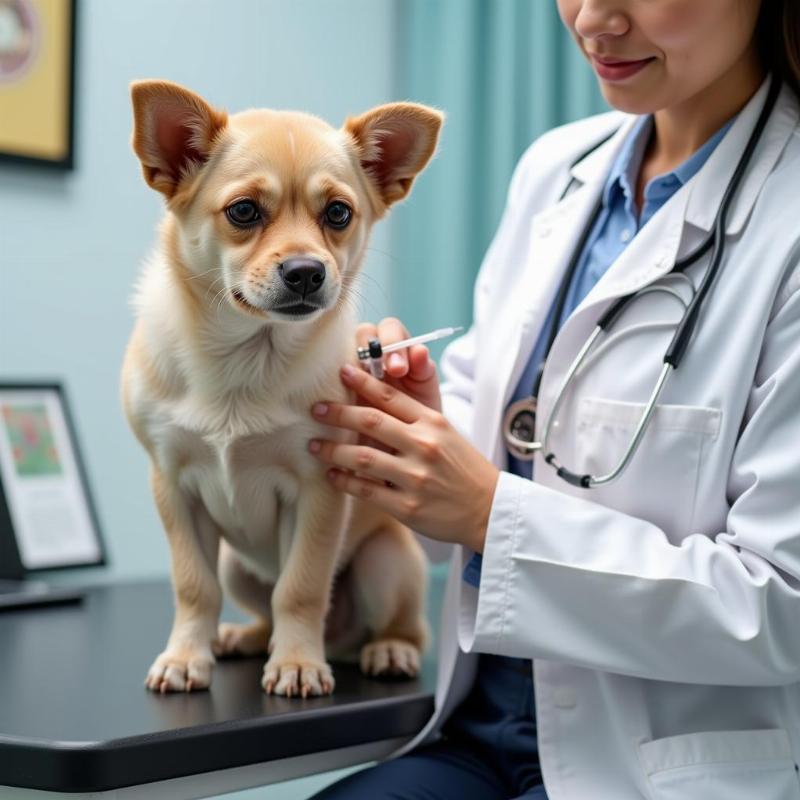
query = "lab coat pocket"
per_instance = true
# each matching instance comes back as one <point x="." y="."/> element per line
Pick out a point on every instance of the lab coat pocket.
<point x="660" y="482"/>
<point x="721" y="765"/>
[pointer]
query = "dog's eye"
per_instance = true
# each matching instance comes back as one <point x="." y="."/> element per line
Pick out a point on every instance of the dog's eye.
<point x="243" y="212"/>
<point x="337" y="215"/>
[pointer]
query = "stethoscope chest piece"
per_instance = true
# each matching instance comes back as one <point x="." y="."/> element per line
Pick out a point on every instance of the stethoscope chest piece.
<point x="519" y="428"/>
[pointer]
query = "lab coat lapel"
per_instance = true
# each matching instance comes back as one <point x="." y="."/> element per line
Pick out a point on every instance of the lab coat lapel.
<point x="713" y="179"/>
<point x="554" y="234"/>
<point x="650" y="255"/>
<point x="551" y="243"/>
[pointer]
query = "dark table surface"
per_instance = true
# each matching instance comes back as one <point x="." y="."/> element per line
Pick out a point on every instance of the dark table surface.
<point x="75" y="716"/>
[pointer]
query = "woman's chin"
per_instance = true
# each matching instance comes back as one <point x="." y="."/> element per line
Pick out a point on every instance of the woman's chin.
<point x="630" y="99"/>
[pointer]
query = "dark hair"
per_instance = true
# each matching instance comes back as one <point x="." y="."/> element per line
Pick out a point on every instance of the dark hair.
<point x="778" y="40"/>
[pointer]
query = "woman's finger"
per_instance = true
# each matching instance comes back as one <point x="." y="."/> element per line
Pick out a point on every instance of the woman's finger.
<point x="391" y="330"/>
<point x="385" y="497"/>
<point x="421" y="366"/>
<point x="381" y="395"/>
<point x="366" y="420"/>
<point x="375" y="464"/>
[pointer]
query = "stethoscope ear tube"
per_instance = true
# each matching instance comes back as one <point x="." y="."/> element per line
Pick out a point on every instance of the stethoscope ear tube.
<point x="610" y="317"/>
<point x="683" y="333"/>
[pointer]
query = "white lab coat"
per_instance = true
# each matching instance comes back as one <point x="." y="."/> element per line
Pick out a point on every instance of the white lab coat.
<point x="662" y="611"/>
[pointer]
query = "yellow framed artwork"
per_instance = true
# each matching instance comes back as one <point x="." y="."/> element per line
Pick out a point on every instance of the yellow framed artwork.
<point x="37" y="81"/>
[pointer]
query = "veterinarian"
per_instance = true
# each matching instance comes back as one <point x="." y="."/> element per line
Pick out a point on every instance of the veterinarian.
<point x="637" y="637"/>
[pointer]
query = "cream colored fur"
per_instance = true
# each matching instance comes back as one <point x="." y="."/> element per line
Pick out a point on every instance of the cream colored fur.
<point x="218" y="388"/>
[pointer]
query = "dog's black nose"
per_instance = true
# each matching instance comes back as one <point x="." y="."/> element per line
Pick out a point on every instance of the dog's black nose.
<point x="302" y="275"/>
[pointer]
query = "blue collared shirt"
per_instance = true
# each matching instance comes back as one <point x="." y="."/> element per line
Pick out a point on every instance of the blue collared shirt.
<point x="617" y="223"/>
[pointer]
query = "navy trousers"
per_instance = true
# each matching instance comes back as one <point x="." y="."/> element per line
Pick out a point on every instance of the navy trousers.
<point x="488" y="749"/>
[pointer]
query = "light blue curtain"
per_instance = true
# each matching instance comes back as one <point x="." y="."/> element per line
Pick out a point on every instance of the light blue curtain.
<point x="504" y="71"/>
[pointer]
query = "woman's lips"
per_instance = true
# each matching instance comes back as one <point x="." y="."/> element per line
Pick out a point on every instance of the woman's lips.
<point x="610" y="69"/>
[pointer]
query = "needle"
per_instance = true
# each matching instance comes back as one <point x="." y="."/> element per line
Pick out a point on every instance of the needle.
<point x="424" y="337"/>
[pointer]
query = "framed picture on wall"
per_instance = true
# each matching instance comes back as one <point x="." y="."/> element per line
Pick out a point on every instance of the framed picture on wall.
<point x="37" y="81"/>
<point x="47" y="518"/>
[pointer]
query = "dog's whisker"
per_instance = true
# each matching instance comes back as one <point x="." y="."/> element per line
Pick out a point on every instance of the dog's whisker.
<point x="382" y="252"/>
<point x="356" y="301"/>
<point x="214" y="283"/>
<point x="216" y="294"/>
<point x="221" y="295"/>
<point x="365" y="276"/>
<point x="200" y="274"/>
<point x="352" y="297"/>
<point x="352" y="287"/>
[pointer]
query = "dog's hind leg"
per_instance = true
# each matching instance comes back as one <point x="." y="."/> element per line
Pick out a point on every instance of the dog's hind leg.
<point x="389" y="583"/>
<point x="253" y="595"/>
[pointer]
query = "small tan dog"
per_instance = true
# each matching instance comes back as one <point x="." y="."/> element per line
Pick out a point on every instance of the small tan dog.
<point x="245" y="315"/>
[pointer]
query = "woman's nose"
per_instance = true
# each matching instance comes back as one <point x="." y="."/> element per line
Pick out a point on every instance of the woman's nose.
<point x="601" y="18"/>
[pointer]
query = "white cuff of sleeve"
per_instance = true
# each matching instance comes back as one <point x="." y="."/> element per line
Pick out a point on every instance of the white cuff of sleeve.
<point x="483" y="611"/>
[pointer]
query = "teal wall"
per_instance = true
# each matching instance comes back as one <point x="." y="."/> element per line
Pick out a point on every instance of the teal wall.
<point x="504" y="71"/>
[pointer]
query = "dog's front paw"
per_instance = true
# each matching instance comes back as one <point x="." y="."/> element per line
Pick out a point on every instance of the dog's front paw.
<point x="297" y="677"/>
<point x="390" y="657"/>
<point x="180" y="670"/>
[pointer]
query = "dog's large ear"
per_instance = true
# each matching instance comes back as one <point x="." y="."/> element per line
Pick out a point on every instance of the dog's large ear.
<point x="173" y="132"/>
<point x="395" y="143"/>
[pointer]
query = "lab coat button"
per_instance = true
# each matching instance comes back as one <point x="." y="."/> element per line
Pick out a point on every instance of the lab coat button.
<point x="564" y="697"/>
<point x="544" y="231"/>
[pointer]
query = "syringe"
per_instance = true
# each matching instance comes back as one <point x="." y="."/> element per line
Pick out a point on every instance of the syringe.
<point x="374" y="352"/>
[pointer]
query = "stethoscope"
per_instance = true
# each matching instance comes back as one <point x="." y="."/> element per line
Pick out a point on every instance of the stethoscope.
<point x="519" y="420"/>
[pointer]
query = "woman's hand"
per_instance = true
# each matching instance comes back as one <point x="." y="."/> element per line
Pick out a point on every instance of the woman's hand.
<point x="411" y="370"/>
<point x="431" y="478"/>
